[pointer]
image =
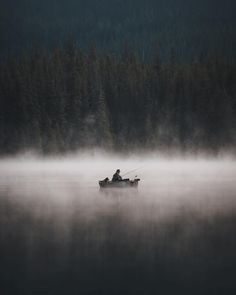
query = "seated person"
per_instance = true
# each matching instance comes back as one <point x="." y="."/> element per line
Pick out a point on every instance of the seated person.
<point x="116" y="176"/>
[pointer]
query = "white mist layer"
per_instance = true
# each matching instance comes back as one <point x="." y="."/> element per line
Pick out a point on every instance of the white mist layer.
<point x="66" y="188"/>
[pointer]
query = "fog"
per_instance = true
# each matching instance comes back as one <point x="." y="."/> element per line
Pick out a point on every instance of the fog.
<point x="60" y="234"/>
<point x="202" y="185"/>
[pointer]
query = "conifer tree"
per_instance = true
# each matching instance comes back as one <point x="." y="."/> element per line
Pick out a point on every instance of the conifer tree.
<point x="104" y="136"/>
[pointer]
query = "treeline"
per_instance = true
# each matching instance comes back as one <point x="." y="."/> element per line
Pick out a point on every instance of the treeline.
<point x="68" y="99"/>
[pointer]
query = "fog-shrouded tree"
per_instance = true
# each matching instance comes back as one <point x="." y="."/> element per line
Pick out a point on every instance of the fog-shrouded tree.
<point x="104" y="135"/>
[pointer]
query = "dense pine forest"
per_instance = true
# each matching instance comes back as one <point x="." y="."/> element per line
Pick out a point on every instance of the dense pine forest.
<point x="68" y="98"/>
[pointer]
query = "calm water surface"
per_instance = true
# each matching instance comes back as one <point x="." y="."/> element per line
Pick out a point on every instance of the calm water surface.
<point x="59" y="234"/>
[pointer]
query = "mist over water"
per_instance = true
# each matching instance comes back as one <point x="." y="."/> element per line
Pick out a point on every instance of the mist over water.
<point x="59" y="234"/>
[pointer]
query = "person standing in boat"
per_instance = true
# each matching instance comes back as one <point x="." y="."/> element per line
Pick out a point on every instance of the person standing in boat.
<point x="116" y="176"/>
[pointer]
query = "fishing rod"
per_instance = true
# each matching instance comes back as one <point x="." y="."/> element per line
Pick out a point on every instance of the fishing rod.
<point x="133" y="171"/>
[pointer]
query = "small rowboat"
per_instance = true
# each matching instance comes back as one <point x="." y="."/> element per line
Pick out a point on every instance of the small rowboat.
<point x="125" y="183"/>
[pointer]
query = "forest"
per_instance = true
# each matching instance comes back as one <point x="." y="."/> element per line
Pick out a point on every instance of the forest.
<point x="67" y="98"/>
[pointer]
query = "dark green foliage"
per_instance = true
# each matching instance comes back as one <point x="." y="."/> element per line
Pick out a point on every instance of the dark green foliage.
<point x="69" y="99"/>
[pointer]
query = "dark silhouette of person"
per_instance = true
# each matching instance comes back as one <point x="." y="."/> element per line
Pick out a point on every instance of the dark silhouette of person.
<point x="116" y="176"/>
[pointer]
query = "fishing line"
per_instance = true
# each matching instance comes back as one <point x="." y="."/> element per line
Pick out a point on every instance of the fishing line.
<point x="133" y="170"/>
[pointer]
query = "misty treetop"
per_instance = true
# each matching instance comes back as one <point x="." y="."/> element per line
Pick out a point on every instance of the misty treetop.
<point x="68" y="99"/>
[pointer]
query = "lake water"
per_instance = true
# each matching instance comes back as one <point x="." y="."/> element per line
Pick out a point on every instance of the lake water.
<point x="175" y="234"/>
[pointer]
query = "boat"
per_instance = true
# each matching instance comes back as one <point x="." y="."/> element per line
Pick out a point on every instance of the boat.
<point x="125" y="183"/>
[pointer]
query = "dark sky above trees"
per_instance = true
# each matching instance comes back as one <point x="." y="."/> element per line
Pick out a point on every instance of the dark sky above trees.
<point x="191" y="27"/>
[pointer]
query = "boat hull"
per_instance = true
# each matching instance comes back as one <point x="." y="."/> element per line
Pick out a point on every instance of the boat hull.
<point x="119" y="184"/>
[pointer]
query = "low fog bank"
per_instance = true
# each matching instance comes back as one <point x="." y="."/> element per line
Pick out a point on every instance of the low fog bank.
<point x="175" y="234"/>
<point x="174" y="182"/>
